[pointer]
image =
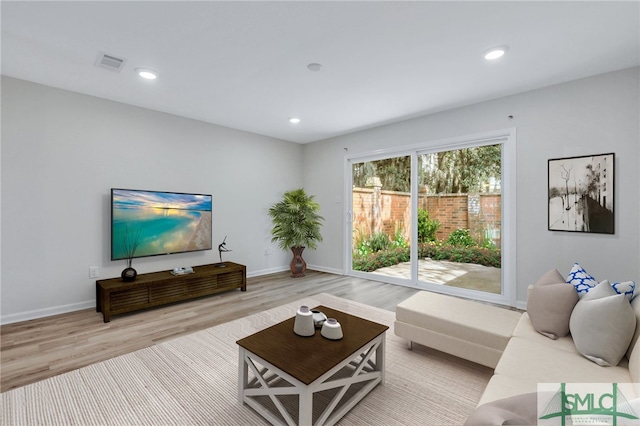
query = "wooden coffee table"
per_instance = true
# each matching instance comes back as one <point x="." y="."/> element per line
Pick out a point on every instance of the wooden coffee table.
<point x="289" y="379"/>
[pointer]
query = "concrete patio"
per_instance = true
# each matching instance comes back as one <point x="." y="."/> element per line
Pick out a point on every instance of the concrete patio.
<point x="465" y="275"/>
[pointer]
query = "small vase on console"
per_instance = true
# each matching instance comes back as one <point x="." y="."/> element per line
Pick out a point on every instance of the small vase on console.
<point x="129" y="274"/>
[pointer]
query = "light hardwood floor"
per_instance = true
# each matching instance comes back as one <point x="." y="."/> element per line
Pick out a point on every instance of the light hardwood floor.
<point x="37" y="349"/>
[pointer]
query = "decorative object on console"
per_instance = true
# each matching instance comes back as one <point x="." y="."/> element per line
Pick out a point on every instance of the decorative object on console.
<point x="296" y="225"/>
<point x="222" y="247"/>
<point x="303" y="324"/>
<point x="130" y="242"/>
<point x="550" y="303"/>
<point x="580" y="196"/>
<point x="331" y="329"/>
<point x="182" y="271"/>
<point x="129" y="274"/>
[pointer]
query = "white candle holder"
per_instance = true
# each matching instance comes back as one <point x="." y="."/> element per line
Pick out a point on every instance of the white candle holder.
<point x="303" y="324"/>
<point x="331" y="329"/>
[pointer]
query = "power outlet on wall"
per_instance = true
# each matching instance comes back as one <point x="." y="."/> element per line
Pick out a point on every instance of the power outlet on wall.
<point x="93" y="272"/>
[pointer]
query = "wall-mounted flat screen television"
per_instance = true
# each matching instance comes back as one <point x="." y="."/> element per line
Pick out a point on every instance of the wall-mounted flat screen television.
<point x="152" y="223"/>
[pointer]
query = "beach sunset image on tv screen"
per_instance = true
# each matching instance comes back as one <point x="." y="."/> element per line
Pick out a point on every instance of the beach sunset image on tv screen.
<point x="150" y="223"/>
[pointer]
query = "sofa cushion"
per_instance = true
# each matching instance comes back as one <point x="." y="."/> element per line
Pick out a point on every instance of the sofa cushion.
<point x="550" y="303"/>
<point x="602" y="325"/>
<point x="525" y="330"/>
<point x="468" y="320"/>
<point x="447" y="343"/>
<point x="521" y="409"/>
<point x="532" y="362"/>
<point x="501" y="386"/>
<point x="633" y="353"/>
<point x="581" y="280"/>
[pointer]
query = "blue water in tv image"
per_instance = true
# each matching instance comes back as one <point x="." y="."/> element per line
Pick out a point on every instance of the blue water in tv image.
<point x="150" y="223"/>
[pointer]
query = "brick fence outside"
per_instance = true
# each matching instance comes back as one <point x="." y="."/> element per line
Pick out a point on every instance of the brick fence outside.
<point x="376" y="210"/>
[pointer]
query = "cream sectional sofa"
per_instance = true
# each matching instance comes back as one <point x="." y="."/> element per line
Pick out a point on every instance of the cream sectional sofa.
<point x="531" y="358"/>
<point x="467" y="329"/>
<point x="523" y="359"/>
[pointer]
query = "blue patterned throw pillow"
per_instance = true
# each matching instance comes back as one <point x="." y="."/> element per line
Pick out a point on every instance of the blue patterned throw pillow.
<point x="581" y="280"/>
<point x="628" y="288"/>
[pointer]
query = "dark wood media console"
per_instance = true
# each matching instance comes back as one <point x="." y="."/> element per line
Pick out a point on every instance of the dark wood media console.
<point x="114" y="296"/>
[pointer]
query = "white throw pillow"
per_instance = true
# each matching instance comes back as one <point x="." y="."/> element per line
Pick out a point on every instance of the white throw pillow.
<point x="602" y="325"/>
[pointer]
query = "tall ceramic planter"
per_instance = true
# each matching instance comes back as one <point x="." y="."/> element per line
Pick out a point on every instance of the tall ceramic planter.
<point x="297" y="265"/>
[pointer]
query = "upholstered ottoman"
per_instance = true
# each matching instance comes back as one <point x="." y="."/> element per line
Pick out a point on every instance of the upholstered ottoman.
<point x="467" y="329"/>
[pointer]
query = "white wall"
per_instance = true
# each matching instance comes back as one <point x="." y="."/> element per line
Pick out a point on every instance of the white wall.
<point x="61" y="154"/>
<point x="590" y="116"/>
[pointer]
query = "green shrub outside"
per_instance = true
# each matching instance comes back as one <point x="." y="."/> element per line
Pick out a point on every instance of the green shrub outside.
<point x="361" y="244"/>
<point x="474" y="254"/>
<point x="379" y="241"/>
<point x="461" y="237"/>
<point x="381" y="259"/>
<point x="380" y="251"/>
<point x="399" y="241"/>
<point x="427" y="227"/>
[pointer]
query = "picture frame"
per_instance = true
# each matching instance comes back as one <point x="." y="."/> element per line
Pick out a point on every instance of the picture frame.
<point x="581" y="194"/>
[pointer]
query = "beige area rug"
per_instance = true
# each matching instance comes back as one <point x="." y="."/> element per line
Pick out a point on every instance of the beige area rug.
<point x="193" y="380"/>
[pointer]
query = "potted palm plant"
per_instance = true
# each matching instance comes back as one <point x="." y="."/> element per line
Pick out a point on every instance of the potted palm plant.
<point x="296" y="226"/>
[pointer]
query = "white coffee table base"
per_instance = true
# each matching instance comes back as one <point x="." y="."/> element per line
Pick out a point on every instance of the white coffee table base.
<point x="258" y="379"/>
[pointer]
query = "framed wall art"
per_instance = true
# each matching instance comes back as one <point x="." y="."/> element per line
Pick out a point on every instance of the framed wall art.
<point x="581" y="196"/>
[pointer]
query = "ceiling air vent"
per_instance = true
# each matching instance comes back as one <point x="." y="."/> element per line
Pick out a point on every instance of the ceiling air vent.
<point x="110" y="62"/>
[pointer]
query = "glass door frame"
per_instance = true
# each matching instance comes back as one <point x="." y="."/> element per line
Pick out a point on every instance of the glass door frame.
<point x="505" y="137"/>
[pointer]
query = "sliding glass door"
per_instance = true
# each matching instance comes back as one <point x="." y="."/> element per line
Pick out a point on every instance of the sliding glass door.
<point x="381" y="211"/>
<point x="459" y="217"/>
<point x="436" y="218"/>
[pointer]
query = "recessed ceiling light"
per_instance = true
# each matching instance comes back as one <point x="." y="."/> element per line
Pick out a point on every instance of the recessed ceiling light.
<point x="314" y="66"/>
<point x="495" y="52"/>
<point x="146" y="73"/>
<point x="294" y="120"/>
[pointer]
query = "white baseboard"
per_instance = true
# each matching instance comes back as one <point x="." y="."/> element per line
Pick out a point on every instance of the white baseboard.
<point x="286" y="268"/>
<point x="325" y="269"/>
<point x="46" y="312"/>
<point x="267" y="271"/>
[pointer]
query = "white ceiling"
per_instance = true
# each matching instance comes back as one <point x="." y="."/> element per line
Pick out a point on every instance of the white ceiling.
<point x="244" y="64"/>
